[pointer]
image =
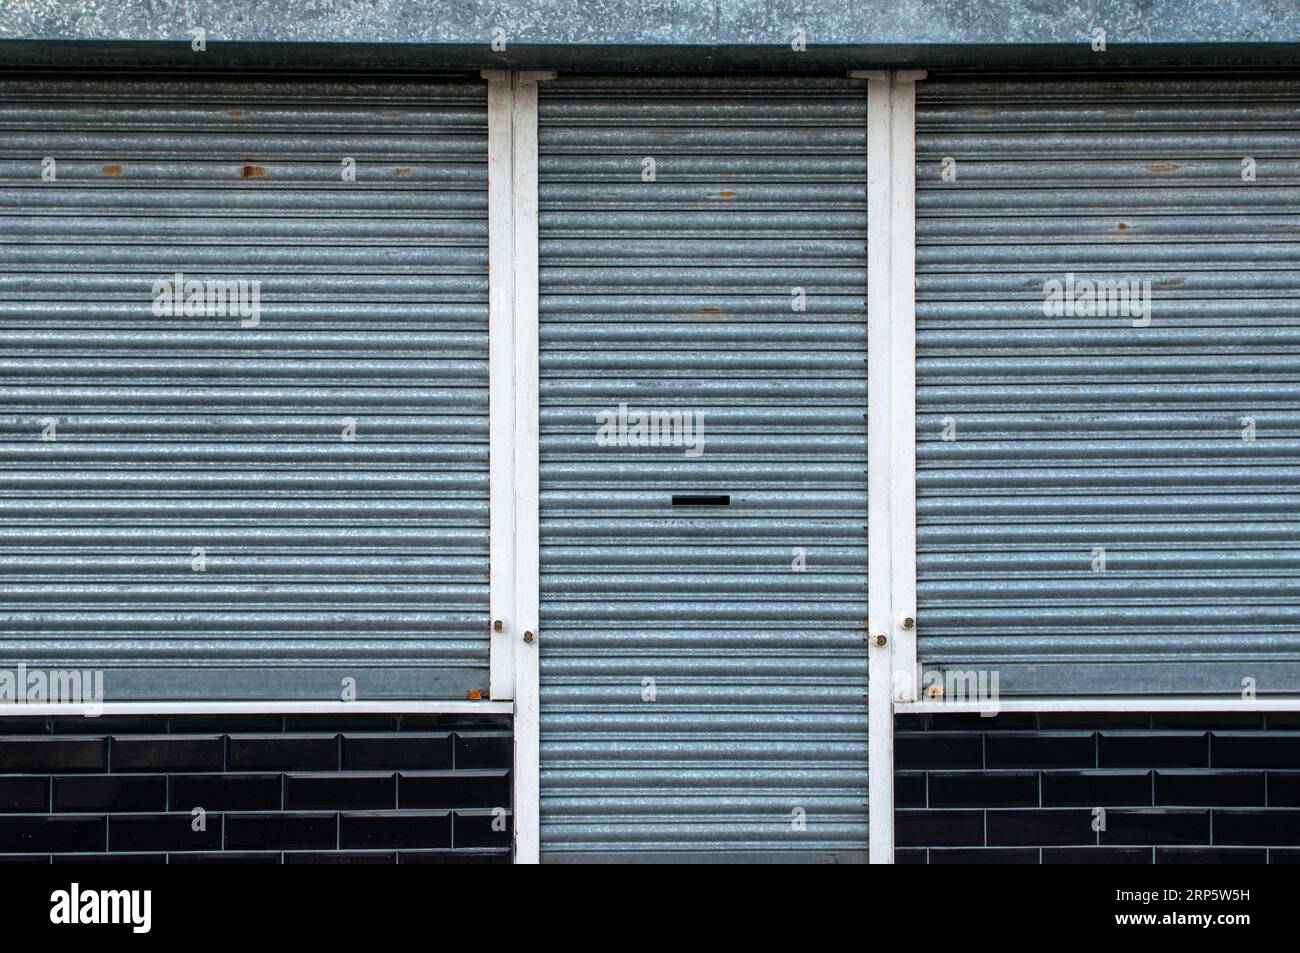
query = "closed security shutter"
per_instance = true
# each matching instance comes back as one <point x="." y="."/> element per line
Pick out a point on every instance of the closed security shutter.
<point x="258" y="504"/>
<point x="703" y="586"/>
<point x="1108" y="495"/>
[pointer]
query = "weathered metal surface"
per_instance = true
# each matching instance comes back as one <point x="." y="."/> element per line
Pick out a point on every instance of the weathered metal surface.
<point x="697" y="691"/>
<point x="326" y="557"/>
<point x="1075" y="434"/>
<point x="630" y="34"/>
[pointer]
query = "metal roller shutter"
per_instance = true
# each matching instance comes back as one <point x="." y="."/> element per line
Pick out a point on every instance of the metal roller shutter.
<point x="327" y="555"/>
<point x="1078" y="434"/>
<point x="698" y="694"/>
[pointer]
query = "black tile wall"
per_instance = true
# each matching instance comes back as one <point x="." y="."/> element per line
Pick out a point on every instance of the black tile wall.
<point x="257" y="789"/>
<point x="983" y="788"/>
<point x="938" y="750"/>
<point x="1076" y="788"/>
<point x="397" y="751"/>
<point x="285" y="752"/>
<point x="933" y="828"/>
<point x="1096" y="855"/>
<point x="24" y="795"/>
<point x="1160" y="749"/>
<point x="1238" y="749"/>
<point x="286" y="829"/>
<point x="1210" y="855"/>
<point x="110" y="793"/>
<point x="166" y="753"/>
<point x="1058" y="828"/>
<point x="21" y="834"/>
<point x="25" y="753"/>
<point x="965" y="855"/>
<point x="392" y="829"/>
<point x="1094" y="788"/>
<point x="1256" y="826"/>
<point x="1161" y="825"/>
<point x="1283" y="788"/>
<point x="909" y="789"/>
<point x="163" y="832"/>
<point x="482" y="749"/>
<point x="1211" y="788"/>
<point x="1043" y="750"/>
<point x="482" y="828"/>
<point x="228" y="792"/>
<point x="473" y="787"/>
<point x="344" y="789"/>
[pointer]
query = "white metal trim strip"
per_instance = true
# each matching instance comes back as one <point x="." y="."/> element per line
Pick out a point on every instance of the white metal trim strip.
<point x="527" y="808"/>
<point x="513" y="419"/>
<point x="264" y="708"/>
<point x="880" y="727"/>
<point x="1125" y="703"/>
<point x="891" y="429"/>
<point x="902" y="382"/>
<point x="501" y="385"/>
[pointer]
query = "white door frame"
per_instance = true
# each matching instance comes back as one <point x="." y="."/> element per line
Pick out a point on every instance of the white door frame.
<point x="891" y="431"/>
<point x="513" y="413"/>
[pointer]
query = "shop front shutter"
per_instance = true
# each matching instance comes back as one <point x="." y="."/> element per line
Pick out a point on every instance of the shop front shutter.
<point x="700" y="695"/>
<point x="1107" y="505"/>
<point x="208" y="510"/>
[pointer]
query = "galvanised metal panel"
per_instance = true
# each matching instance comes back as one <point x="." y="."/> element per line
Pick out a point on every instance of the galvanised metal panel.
<point x="666" y="34"/>
<point x="1078" y="437"/>
<point x="328" y="555"/>
<point x="698" y="693"/>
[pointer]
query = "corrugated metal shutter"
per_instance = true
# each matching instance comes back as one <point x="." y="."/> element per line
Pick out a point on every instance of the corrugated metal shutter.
<point x="326" y="557"/>
<point x="676" y="295"/>
<point x="1077" y="434"/>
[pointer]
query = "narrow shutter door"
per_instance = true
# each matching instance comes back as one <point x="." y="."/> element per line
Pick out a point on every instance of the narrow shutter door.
<point x="699" y="693"/>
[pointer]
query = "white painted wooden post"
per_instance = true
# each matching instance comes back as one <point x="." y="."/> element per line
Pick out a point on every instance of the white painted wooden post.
<point x="891" y="428"/>
<point x="513" y="420"/>
<point x="527" y="812"/>
<point x="902" y="381"/>
<point x="503" y="626"/>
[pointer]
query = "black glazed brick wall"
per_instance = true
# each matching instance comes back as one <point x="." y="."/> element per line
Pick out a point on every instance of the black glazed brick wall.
<point x="1024" y="788"/>
<point x="294" y="789"/>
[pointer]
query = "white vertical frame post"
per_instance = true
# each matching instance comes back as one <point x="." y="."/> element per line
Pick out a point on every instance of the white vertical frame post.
<point x="902" y="383"/>
<point x="880" y="712"/>
<point x="891" y="429"/>
<point x="513" y="419"/>
<point x="527" y="810"/>
<point x="503" y="629"/>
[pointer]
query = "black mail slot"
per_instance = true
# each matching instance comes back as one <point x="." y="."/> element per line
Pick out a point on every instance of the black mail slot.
<point x="700" y="499"/>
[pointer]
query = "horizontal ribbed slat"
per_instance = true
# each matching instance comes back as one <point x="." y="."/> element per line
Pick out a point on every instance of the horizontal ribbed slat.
<point x="1082" y="433"/>
<point x="326" y="557"/>
<point x="675" y="295"/>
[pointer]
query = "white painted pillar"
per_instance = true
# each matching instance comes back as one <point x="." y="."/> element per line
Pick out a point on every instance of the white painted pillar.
<point x="891" y="430"/>
<point x="513" y="386"/>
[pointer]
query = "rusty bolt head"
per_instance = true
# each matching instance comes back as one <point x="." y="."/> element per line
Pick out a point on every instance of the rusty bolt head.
<point x="908" y="622"/>
<point x="878" y="639"/>
<point x="528" y="637"/>
<point x="498" y="625"/>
